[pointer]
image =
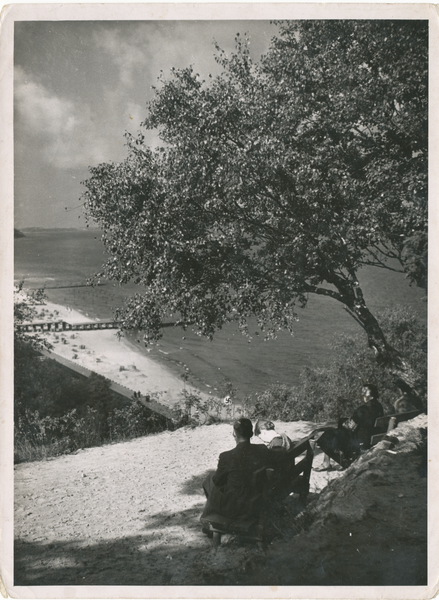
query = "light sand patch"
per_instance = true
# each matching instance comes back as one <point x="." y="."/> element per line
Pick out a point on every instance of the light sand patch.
<point x="135" y="504"/>
<point x="103" y="352"/>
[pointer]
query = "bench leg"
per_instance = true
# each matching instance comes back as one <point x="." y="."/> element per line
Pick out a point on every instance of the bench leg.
<point x="392" y="424"/>
<point x="216" y="539"/>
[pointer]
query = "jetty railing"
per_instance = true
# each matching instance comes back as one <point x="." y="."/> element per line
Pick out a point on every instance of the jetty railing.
<point x="40" y="326"/>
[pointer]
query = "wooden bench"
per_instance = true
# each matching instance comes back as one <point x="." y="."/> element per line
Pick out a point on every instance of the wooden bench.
<point x="251" y="524"/>
<point x="297" y="474"/>
<point x="267" y="486"/>
<point x="388" y="423"/>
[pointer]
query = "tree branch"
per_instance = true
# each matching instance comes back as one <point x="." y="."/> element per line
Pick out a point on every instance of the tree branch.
<point x="313" y="289"/>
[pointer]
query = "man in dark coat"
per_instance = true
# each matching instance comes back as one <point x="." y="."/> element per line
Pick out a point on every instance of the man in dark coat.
<point x="228" y="489"/>
<point x="353" y="435"/>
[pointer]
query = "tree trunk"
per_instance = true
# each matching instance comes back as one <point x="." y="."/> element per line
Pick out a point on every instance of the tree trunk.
<point x="406" y="379"/>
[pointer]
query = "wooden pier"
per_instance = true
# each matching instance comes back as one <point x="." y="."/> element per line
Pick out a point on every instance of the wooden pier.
<point x="39" y="326"/>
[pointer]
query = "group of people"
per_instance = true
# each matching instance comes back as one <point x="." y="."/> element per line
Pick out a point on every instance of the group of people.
<point x="227" y="489"/>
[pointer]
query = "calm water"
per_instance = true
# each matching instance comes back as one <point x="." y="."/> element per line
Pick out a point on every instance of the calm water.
<point x="65" y="257"/>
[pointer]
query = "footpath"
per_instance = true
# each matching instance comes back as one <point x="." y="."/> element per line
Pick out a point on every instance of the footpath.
<point x="128" y="514"/>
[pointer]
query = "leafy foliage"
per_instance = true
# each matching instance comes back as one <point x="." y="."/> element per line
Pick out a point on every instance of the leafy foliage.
<point x="25" y="310"/>
<point x="57" y="412"/>
<point x="273" y="181"/>
<point x="134" y="420"/>
<point x="39" y="437"/>
<point x="335" y="390"/>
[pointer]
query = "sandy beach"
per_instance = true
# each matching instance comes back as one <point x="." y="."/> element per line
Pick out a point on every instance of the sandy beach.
<point x="103" y="352"/>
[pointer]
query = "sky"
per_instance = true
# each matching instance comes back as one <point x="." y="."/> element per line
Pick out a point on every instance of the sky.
<point x="79" y="85"/>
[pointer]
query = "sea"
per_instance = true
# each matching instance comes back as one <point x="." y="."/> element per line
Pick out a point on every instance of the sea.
<point x="62" y="260"/>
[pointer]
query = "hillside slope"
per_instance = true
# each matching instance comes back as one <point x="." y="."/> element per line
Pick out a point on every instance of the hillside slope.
<point x="128" y="514"/>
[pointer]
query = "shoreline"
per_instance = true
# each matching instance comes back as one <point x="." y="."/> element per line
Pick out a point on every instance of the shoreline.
<point x="115" y="358"/>
<point x="177" y="367"/>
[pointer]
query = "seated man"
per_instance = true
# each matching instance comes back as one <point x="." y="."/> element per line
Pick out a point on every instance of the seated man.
<point x="228" y="489"/>
<point x="353" y="435"/>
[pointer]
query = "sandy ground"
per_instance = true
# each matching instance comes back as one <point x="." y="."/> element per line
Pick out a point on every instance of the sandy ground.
<point x="124" y="513"/>
<point x="128" y="514"/>
<point x="103" y="352"/>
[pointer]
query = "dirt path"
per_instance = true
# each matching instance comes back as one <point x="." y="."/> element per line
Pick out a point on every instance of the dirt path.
<point x="121" y="514"/>
<point x="128" y="514"/>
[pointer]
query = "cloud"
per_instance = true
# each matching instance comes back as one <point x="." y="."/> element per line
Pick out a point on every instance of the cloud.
<point x="127" y="56"/>
<point x="64" y="131"/>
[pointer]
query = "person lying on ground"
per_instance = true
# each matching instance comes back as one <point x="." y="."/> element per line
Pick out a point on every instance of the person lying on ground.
<point x="352" y="436"/>
<point x="228" y="489"/>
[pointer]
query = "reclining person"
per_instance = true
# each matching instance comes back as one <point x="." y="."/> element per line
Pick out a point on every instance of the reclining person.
<point x="228" y="489"/>
<point x="283" y="479"/>
<point x="353" y="435"/>
<point x="266" y="432"/>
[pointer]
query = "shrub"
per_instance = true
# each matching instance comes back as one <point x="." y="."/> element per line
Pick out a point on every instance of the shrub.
<point x="134" y="420"/>
<point x="275" y="403"/>
<point x="39" y="437"/>
<point x="192" y="411"/>
<point x="335" y="390"/>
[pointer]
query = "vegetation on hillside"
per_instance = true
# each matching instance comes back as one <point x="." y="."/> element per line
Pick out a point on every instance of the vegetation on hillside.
<point x="333" y="391"/>
<point x="56" y="411"/>
<point x="274" y="181"/>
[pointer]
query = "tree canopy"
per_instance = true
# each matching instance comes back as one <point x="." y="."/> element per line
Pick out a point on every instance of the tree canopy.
<point x="275" y="180"/>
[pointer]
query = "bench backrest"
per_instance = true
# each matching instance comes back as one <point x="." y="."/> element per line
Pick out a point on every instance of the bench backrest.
<point x="383" y="422"/>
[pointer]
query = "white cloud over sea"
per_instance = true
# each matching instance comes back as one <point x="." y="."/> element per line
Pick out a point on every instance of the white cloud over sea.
<point x="65" y="131"/>
<point x="127" y="55"/>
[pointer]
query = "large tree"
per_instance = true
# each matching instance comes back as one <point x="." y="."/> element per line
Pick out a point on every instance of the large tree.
<point x="274" y="181"/>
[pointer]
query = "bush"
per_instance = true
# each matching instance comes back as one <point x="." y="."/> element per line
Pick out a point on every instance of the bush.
<point x="335" y="390"/>
<point x="39" y="437"/>
<point x="134" y="420"/>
